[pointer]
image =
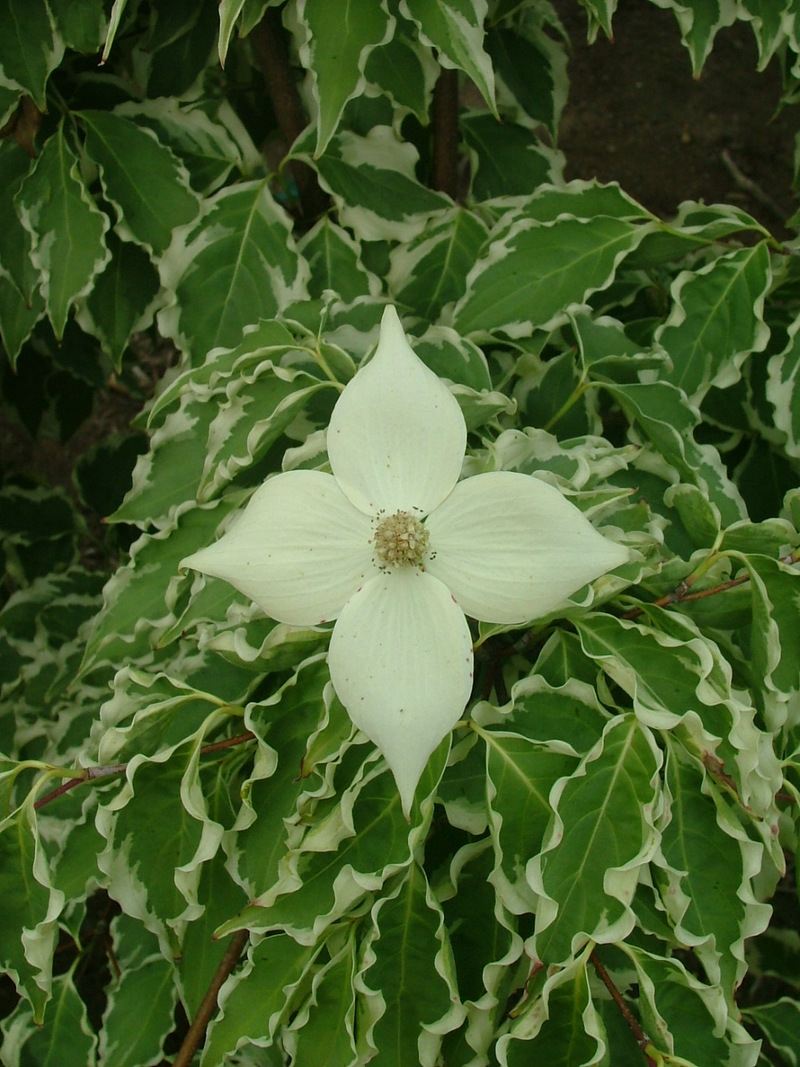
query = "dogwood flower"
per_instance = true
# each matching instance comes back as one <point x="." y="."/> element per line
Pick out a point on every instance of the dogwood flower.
<point x="395" y="549"/>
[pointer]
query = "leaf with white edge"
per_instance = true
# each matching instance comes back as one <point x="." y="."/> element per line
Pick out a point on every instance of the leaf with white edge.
<point x="201" y="953"/>
<point x="154" y="845"/>
<point x="699" y="24"/>
<point x="530" y="274"/>
<point x="780" y="1024"/>
<point x="256" y="1000"/>
<point x="266" y="340"/>
<point x="456" y="359"/>
<point x="783" y="390"/>
<point x="139" y="1014"/>
<point x="510" y="159"/>
<point x="602" y="832"/>
<point x="716" y="321"/>
<point x="408" y="986"/>
<point x="66" y="227"/>
<point x="235" y="265"/>
<point x="150" y="714"/>
<point x="606" y="350"/>
<point x="404" y="69"/>
<point x="561" y="1027"/>
<point x="776" y="619"/>
<point x="532" y="73"/>
<point x="28" y="931"/>
<point x="334" y="258"/>
<point x="146" y="183"/>
<point x="17" y="317"/>
<point x="64" y="1038"/>
<point x="677" y="677"/>
<point x="520" y="775"/>
<point x="284" y="724"/>
<point x="122" y="300"/>
<point x="664" y="416"/>
<point x="684" y="1017"/>
<point x="169" y="474"/>
<point x="322" y="1032"/>
<point x="135" y="609"/>
<point x="30" y="47"/>
<point x="15" y="264"/>
<point x="373" y="184"/>
<point x="483" y="937"/>
<point x="258" y="409"/>
<point x="334" y="42"/>
<point x="708" y="865"/>
<point x="82" y="25"/>
<point x="208" y="137"/>
<point x="430" y="271"/>
<point x="323" y="881"/>
<point x="455" y="29"/>
<point x="229" y="12"/>
<point x="117" y="11"/>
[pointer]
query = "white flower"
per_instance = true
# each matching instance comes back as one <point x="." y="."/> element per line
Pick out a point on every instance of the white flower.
<point x="395" y="549"/>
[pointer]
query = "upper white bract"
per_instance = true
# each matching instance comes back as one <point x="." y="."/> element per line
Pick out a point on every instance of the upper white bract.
<point x="503" y="547"/>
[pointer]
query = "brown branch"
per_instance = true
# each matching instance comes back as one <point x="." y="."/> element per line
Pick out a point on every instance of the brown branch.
<point x="683" y="593"/>
<point x="752" y="188"/>
<point x="642" y="1040"/>
<point x="272" y="55"/>
<point x="207" y="1009"/>
<point x="445" y="133"/>
<point x="91" y="774"/>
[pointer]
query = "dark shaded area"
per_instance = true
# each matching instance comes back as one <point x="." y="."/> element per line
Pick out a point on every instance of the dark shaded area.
<point x="636" y="115"/>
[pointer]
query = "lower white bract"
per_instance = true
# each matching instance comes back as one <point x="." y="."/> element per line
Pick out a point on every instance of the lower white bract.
<point x="395" y="549"/>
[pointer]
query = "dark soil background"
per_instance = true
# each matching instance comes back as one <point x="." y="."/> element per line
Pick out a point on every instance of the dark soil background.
<point x="636" y="115"/>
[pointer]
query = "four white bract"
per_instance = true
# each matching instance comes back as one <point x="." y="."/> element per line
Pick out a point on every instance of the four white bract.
<point x="394" y="548"/>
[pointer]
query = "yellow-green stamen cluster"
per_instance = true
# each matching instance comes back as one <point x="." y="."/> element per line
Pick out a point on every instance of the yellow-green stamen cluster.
<point x="401" y="540"/>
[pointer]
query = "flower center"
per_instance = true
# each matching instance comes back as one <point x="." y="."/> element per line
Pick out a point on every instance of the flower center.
<point x="401" y="540"/>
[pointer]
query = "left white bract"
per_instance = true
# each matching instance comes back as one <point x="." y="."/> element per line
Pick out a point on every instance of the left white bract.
<point x="395" y="549"/>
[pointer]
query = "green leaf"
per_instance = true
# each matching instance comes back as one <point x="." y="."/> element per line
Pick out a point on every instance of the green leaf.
<point x="15" y="265"/>
<point x="154" y="845"/>
<point x="334" y="259"/>
<point x="668" y="419"/>
<point x="530" y="274"/>
<point x="139" y="1014"/>
<point x="511" y="160"/>
<point x="237" y="264"/>
<point x="706" y="889"/>
<point x="405" y="70"/>
<point x="716" y="321"/>
<point x="779" y="1022"/>
<point x="601" y="834"/>
<point x="334" y="44"/>
<point x="532" y="70"/>
<point x="321" y="1034"/>
<point x="30" y="904"/>
<point x="776" y="617"/>
<point x="18" y="317"/>
<point x="122" y="300"/>
<point x="406" y="973"/>
<point x="376" y="842"/>
<point x="147" y="185"/>
<point x="557" y="1029"/>
<point x="63" y="1038"/>
<point x="520" y="775"/>
<point x="66" y="227"/>
<point x="254" y="1002"/>
<point x="373" y="183"/>
<point x="430" y="271"/>
<point x="455" y="29"/>
<point x="30" y="48"/>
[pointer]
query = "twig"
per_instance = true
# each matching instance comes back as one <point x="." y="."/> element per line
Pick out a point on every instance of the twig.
<point x="91" y="774"/>
<point x="209" y="1006"/>
<point x="445" y="133"/>
<point x="271" y="53"/>
<point x="683" y="593"/>
<point x="752" y="189"/>
<point x="642" y="1040"/>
